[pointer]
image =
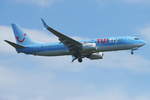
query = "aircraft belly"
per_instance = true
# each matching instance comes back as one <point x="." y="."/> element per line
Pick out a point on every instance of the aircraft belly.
<point x="53" y="53"/>
<point x="115" y="47"/>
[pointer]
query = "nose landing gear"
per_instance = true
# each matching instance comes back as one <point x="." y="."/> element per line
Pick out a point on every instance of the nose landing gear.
<point x="132" y="52"/>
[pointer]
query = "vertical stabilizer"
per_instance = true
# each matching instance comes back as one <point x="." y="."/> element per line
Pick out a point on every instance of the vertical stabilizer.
<point x="20" y="36"/>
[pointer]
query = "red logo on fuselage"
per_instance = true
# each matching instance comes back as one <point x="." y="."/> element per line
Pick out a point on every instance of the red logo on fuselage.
<point x="19" y="40"/>
<point x="102" y="40"/>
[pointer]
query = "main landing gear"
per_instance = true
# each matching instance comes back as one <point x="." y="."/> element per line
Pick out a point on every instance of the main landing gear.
<point x="80" y="60"/>
<point x="75" y="58"/>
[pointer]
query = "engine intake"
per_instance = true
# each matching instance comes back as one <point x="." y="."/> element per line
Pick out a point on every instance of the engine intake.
<point x="95" y="56"/>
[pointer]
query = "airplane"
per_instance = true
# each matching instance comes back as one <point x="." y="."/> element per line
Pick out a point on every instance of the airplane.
<point x="92" y="49"/>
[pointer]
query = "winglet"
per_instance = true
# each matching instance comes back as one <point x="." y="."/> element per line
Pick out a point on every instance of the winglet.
<point x="44" y="23"/>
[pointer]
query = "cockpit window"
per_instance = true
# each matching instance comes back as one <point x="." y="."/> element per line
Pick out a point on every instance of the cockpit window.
<point x="136" y="38"/>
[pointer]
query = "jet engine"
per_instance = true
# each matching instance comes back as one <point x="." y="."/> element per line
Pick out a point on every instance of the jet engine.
<point x="95" y="56"/>
<point x="89" y="47"/>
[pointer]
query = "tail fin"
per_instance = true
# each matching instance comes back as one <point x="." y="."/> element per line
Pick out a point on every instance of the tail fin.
<point x="21" y="37"/>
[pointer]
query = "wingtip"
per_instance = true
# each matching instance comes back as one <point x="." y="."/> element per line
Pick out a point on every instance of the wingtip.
<point x="44" y="23"/>
<point x="42" y="19"/>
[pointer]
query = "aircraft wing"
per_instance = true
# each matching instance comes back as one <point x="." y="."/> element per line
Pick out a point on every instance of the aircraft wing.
<point x="73" y="45"/>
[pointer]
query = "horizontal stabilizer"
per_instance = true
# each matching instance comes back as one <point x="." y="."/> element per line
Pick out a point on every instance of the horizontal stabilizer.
<point x="15" y="45"/>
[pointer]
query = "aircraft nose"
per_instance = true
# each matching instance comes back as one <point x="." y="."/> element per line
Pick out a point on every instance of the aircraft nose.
<point x="142" y="43"/>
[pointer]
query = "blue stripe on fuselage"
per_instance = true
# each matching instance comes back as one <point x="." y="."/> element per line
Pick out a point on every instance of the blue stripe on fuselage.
<point x="43" y="48"/>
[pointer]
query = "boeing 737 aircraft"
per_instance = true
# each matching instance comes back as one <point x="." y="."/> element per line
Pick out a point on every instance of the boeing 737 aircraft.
<point x="68" y="46"/>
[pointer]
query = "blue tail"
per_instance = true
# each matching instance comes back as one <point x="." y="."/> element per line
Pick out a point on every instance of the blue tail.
<point x="21" y="37"/>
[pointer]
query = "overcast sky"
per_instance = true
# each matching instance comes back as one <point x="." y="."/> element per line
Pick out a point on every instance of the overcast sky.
<point x="119" y="76"/>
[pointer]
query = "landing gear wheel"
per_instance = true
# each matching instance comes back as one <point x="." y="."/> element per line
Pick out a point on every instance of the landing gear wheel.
<point x="132" y="53"/>
<point x="80" y="60"/>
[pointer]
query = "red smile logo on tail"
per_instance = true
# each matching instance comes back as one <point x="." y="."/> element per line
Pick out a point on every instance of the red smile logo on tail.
<point x="19" y="40"/>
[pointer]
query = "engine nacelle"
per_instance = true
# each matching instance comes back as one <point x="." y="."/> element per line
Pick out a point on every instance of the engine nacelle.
<point x="89" y="47"/>
<point x="95" y="56"/>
